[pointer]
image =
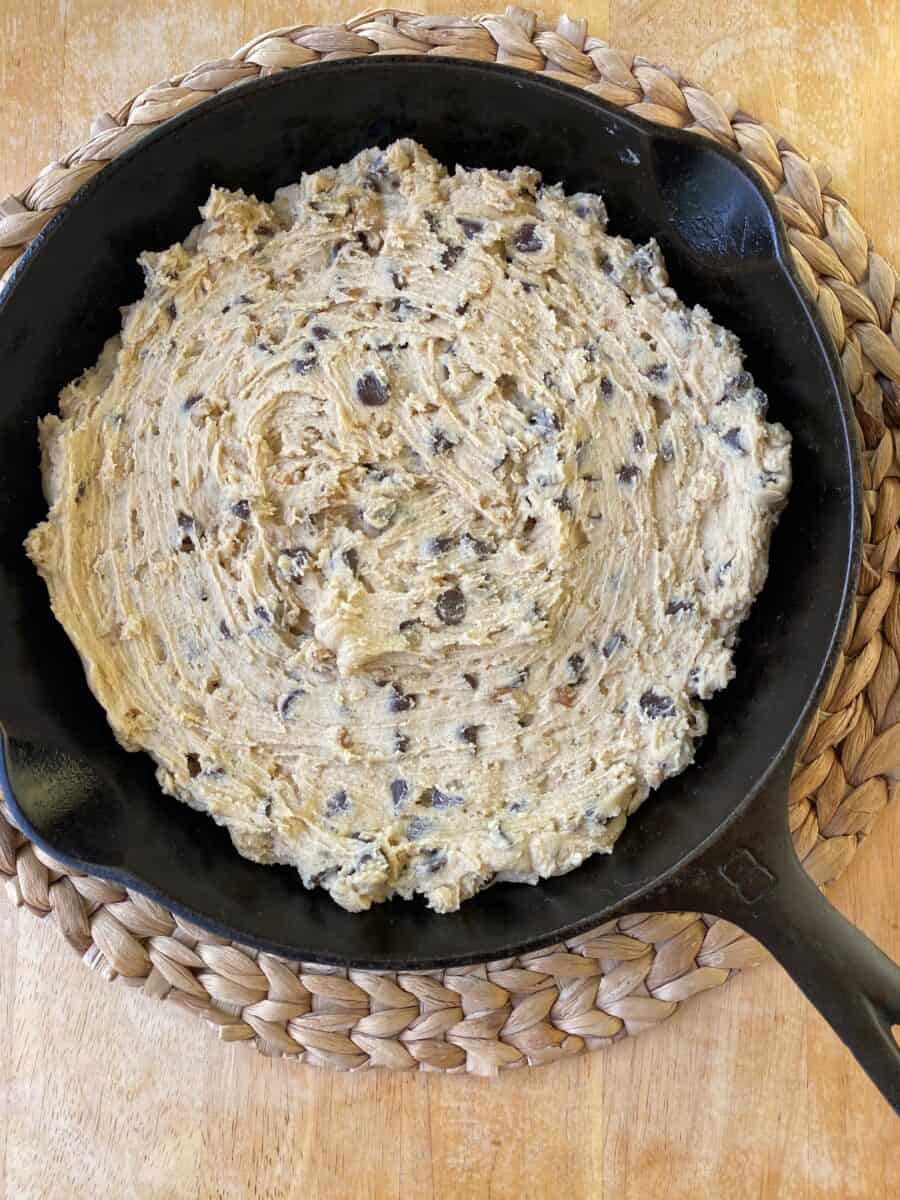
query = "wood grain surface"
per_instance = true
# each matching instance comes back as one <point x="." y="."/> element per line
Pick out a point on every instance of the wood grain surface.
<point x="746" y="1092"/>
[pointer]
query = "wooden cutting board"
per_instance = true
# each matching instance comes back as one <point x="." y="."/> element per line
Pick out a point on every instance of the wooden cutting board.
<point x="745" y="1092"/>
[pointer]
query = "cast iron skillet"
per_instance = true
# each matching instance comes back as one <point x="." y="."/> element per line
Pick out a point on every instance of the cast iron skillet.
<point x="713" y="840"/>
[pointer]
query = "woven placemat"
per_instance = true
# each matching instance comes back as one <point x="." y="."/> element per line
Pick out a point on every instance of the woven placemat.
<point x="629" y="974"/>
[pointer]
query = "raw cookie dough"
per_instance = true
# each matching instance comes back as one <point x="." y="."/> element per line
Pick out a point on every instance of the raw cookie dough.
<point x="407" y="523"/>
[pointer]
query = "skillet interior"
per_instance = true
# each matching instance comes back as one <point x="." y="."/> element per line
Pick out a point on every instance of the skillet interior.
<point x="92" y="804"/>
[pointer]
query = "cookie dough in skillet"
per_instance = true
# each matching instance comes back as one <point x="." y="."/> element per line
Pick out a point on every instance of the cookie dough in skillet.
<point x="408" y="522"/>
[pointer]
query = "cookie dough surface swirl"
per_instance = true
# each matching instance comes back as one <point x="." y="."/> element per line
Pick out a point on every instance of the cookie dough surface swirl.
<point x="407" y="524"/>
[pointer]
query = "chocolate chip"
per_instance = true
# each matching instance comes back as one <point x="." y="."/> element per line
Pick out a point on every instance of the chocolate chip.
<point x="628" y="473"/>
<point x="527" y="240"/>
<point x="546" y="422"/>
<point x="435" y="798"/>
<point x="436" y="860"/>
<point x="637" y="440"/>
<point x="602" y="260"/>
<point x="440" y="443"/>
<point x="440" y="545"/>
<point x="462" y="309"/>
<point x="287" y="702"/>
<point x="450" y="256"/>
<point x="658" y="372"/>
<point x="678" y="606"/>
<point x="401" y="742"/>
<point x="193" y="399"/>
<point x="172" y="311"/>
<point x="320" y="332"/>
<point x="241" y="509"/>
<point x="721" y="571"/>
<point x="481" y="548"/>
<point x="759" y="402"/>
<point x="469" y="735"/>
<point x="740" y="383"/>
<point x="398" y="280"/>
<point x="563" y="503"/>
<point x="338" y="803"/>
<point x="193" y="765"/>
<point x="409" y="623"/>
<point x="399" y="792"/>
<point x="575" y="663"/>
<point x="590" y="206"/>
<point x="469" y="227"/>
<point x="591" y="816"/>
<point x="371" y="391"/>
<point x="370" y="242"/>
<point x="263" y="613"/>
<point x="606" y="386"/>
<point x="350" y="557"/>
<point x="471" y="680"/>
<point x="643" y="260"/>
<point x="612" y="644"/>
<point x="291" y="563"/>
<point x="451" y="606"/>
<point x="732" y="439"/>
<point x="325" y="876"/>
<point x="265" y="230"/>
<point x="303" y="366"/>
<point x="654" y="705"/>
<point x="418" y="827"/>
<point x="398" y="701"/>
<point x="225" y="631"/>
<point x="432" y="222"/>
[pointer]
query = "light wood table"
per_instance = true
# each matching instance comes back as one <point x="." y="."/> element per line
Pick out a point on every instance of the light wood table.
<point x="745" y="1092"/>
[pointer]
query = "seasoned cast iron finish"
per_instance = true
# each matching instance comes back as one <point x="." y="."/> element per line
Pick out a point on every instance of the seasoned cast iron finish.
<point x="715" y="839"/>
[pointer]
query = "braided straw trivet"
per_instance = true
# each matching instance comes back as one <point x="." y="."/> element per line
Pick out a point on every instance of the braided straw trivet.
<point x="632" y="973"/>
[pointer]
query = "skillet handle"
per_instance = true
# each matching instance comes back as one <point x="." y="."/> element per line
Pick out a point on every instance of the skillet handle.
<point x="752" y="876"/>
<point x="850" y="981"/>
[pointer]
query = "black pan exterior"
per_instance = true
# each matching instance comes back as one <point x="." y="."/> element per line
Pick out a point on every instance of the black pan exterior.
<point x="91" y="804"/>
